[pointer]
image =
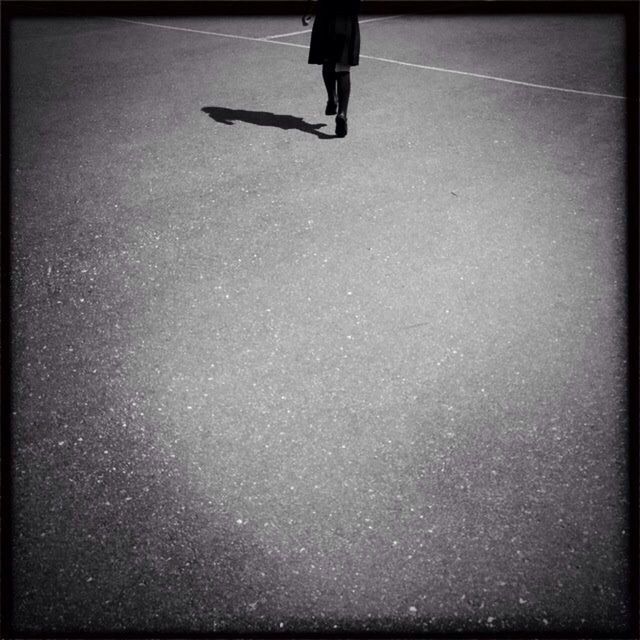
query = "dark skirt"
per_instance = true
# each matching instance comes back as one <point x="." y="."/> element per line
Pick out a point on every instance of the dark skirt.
<point x="335" y="37"/>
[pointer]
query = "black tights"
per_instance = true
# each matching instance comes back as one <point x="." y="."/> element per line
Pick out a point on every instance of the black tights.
<point x="341" y="80"/>
<point x="329" y="77"/>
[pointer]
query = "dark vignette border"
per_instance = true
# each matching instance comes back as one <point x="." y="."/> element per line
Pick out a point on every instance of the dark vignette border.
<point x="84" y="8"/>
<point x="628" y="9"/>
<point x="632" y="15"/>
<point x="5" y="342"/>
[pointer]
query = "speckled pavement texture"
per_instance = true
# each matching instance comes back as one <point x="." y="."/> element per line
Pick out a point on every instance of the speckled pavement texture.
<point x="266" y="379"/>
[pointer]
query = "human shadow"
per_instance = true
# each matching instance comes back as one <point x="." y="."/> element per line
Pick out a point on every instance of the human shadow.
<point x="265" y="119"/>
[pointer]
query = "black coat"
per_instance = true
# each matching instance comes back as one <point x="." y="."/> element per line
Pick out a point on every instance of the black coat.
<point x="335" y="36"/>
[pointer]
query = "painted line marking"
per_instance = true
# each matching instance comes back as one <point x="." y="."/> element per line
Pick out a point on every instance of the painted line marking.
<point x="297" y="33"/>
<point x="206" y="33"/>
<point x="496" y="78"/>
<point x="380" y="19"/>
<point x="388" y="60"/>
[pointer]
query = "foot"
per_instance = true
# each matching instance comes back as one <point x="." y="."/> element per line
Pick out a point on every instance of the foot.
<point x="341" y="125"/>
<point x="332" y="108"/>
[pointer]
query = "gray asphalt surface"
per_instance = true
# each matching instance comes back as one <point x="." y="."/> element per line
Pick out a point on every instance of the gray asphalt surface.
<point x="269" y="379"/>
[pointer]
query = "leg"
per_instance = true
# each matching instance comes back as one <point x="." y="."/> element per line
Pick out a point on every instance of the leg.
<point x="329" y="77"/>
<point x="344" y="91"/>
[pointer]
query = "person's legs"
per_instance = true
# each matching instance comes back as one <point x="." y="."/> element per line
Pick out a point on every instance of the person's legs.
<point x="329" y="77"/>
<point x="344" y="91"/>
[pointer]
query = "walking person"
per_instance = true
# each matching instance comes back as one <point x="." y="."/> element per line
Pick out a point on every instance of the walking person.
<point x="335" y="44"/>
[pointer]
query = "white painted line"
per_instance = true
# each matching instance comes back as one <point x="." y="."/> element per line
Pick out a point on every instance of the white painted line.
<point x="286" y="44"/>
<point x="496" y="78"/>
<point x="286" y="35"/>
<point x="210" y="33"/>
<point x="206" y="33"/>
<point x="390" y="61"/>
<point x="379" y="19"/>
<point x="297" y="33"/>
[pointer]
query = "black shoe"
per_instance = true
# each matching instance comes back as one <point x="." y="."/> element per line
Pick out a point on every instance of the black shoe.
<point x="332" y="108"/>
<point x="341" y="126"/>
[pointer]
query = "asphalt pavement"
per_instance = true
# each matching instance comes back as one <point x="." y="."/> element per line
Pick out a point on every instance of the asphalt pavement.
<point x="268" y="379"/>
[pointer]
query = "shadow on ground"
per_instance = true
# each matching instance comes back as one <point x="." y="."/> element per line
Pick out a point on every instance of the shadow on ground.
<point x="265" y="119"/>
